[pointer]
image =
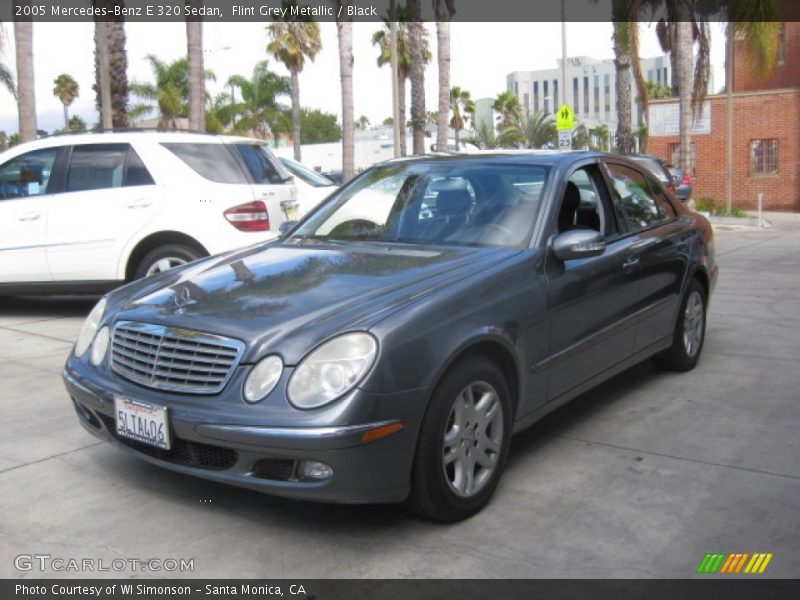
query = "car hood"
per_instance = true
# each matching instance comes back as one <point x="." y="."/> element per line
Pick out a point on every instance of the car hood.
<point x="288" y="297"/>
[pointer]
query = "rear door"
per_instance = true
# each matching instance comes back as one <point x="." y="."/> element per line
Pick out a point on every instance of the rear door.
<point x="661" y="244"/>
<point x="272" y="183"/>
<point x="25" y="186"/>
<point x="109" y="195"/>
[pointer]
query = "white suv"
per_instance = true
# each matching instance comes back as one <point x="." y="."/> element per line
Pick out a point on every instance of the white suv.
<point x="88" y="212"/>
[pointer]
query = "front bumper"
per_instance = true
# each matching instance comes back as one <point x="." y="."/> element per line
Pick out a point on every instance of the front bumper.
<point x="263" y="457"/>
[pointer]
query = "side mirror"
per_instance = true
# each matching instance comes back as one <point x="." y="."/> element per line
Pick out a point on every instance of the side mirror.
<point x="578" y="243"/>
<point x="286" y="227"/>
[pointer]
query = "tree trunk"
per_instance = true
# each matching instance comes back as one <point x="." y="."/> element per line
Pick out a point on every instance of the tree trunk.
<point x="684" y="49"/>
<point x="345" y="31"/>
<point x="457" y="148"/>
<point x="195" y="74"/>
<point x="622" y="63"/>
<point x="118" y="70"/>
<point x="26" y="99"/>
<point x="417" y="76"/>
<point x="401" y="111"/>
<point x="443" y="54"/>
<point x="296" y="113"/>
<point x="66" y="117"/>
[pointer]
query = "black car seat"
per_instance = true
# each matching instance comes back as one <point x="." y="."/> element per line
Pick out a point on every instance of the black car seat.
<point x="571" y="202"/>
<point x="453" y="207"/>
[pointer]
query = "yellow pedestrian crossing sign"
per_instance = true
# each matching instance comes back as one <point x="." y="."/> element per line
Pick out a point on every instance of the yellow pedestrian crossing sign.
<point x="565" y="118"/>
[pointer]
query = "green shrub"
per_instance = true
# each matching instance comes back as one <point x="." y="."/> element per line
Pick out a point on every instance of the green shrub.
<point x="738" y="212"/>
<point x="706" y="204"/>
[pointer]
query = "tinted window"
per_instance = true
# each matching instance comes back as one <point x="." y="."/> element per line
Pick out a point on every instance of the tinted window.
<point x="137" y="173"/>
<point x="96" y="166"/>
<point x="637" y="201"/>
<point x="212" y="161"/>
<point x="665" y="209"/>
<point x="263" y="169"/>
<point x="27" y="174"/>
<point x="434" y="203"/>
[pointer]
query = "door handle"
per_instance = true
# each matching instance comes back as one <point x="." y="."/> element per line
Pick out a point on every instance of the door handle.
<point x="31" y="216"/>
<point x="630" y="263"/>
<point x="140" y="204"/>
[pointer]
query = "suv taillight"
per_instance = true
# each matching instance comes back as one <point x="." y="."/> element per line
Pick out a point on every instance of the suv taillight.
<point x="685" y="179"/>
<point x="251" y="216"/>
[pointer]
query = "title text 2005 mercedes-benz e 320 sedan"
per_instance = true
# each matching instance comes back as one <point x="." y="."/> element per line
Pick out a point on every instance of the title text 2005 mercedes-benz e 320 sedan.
<point x="389" y="345"/>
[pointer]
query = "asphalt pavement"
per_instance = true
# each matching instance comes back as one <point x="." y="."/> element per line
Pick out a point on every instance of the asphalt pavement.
<point x="640" y="477"/>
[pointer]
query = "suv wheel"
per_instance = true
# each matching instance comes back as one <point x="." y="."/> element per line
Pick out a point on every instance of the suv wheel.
<point x="463" y="443"/>
<point x="165" y="258"/>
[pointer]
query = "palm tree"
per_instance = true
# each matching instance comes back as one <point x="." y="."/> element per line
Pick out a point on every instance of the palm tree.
<point x="537" y="130"/>
<point x="259" y="108"/>
<point x="362" y="122"/>
<point x="509" y="109"/>
<point x="195" y="76"/>
<point x="581" y="137"/>
<point x="26" y="99"/>
<point x="622" y="63"/>
<point x="460" y="102"/>
<point x="344" y="29"/>
<point x="381" y="39"/>
<point x="417" y="73"/>
<point x="169" y="94"/>
<point x="600" y="137"/>
<point x="117" y="66"/>
<point x="66" y="89"/>
<point x="291" y="42"/>
<point x="444" y="11"/>
<point x="484" y="137"/>
<point x="76" y="124"/>
<point x="6" y="77"/>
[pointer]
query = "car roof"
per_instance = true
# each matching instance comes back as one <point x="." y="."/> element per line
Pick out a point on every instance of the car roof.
<point x="549" y="158"/>
<point x="131" y="135"/>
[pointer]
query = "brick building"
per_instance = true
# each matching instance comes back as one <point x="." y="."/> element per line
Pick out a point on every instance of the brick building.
<point x="766" y="133"/>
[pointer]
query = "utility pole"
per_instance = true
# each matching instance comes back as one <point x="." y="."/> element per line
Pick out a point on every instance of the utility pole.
<point x="563" y="55"/>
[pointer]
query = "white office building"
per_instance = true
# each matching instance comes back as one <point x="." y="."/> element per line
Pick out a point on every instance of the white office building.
<point x="591" y="90"/>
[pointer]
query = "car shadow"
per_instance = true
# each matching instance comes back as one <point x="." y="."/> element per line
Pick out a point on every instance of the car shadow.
<point x="46" y="306"/>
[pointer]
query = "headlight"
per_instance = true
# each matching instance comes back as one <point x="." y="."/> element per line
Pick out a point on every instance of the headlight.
<point x="89" y="328"/>
<point x="333" y="369"/>
<point x="263" y="378"/>
<point x="99" y="346"/>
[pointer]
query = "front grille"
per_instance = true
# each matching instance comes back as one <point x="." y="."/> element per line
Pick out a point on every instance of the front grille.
<point x="167" y="358"/>
<point x="183" y="452"/>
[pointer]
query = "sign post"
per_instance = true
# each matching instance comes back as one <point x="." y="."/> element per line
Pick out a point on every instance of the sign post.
<point x="565" y="122"/>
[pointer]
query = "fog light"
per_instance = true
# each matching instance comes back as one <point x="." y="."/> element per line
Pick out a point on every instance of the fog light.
<point x="100" y="346"/>
<point x="311" y="469"/>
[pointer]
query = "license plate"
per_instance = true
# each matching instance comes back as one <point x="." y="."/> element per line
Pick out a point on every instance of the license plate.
<point x="142" y="422"/>
<point x="291" y="212"/>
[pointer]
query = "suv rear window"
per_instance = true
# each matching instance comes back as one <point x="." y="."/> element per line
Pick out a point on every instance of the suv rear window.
<point x="212" y="161"/>
<point x="104" y="166"/>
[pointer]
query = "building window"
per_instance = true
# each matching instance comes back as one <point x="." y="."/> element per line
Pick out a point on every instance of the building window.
<point x="763" y="156"/>
<point x="575" y="97"/>
<point x="516" y="89"/>
<point x="666" y="77"/>
<point x="546" y="99"/>
<point x="782" y="44"/>
<point x="674" y="151"/>
<point x="555" y="95"/>
<point x="536" y="96"/>
<point x="527" y="102"/>
<point x="607" y="92"/>
<point x="586" y="95"/>
<point x="596" y="83"/>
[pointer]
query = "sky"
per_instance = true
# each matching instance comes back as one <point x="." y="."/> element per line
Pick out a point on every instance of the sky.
<point x="482" y="54"/>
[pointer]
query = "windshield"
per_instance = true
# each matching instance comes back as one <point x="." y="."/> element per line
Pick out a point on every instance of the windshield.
<point x="303" y="172"/>
<point x="433" y="203"/>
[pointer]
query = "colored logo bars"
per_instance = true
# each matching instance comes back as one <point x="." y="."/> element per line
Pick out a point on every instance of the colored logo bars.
<point x="734" y="563"/>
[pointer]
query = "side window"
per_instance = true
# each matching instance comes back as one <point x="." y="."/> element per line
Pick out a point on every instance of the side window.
<point x="27" y="174"/>
<point x="137" y="173"/>
<point x="637" y="201"/>
<point x="665" y="209"/>
<point x="96" y="167"/>
<point x="211" y="161"/>
<point x="262" y="169"/>
<point x="585" y="204"/>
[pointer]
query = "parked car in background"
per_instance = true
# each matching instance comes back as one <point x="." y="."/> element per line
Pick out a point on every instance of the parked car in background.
<point x="682" y="183"/>
<point x="312" y="187"/>
<point x="334" y="176"/>
<point x="389" y="354"/>
<point x="88" y="212"/>
<point x="657" y="167"/>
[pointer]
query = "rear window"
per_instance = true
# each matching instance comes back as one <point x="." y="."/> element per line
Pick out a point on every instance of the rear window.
<point x="263" y="168"/>
<point x="105" y="166"/>
<point x="211" y="161"/>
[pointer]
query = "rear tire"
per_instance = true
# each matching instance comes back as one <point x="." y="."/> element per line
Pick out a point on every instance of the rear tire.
<point x="463" y="443"/>
<point x="690" y="332"/>
<point x="164" y="258"/>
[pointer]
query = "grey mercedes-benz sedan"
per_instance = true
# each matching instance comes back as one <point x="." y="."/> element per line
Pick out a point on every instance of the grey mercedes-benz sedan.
<point x="387" y="347"/>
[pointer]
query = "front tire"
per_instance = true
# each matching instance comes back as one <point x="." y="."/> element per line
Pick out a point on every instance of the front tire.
<point x="463" y="443"/>
<point x="164" y="258"/>
<point x="689" y="334"/>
